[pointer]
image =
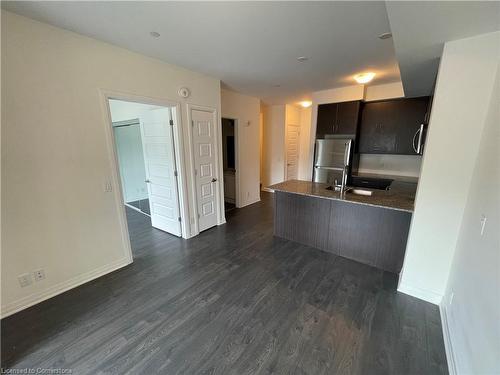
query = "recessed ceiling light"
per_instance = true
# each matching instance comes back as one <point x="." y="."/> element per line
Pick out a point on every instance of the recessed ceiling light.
<point x="154" y="34"/>
<point x="302" y="58"/>
<point x="306" y="103"/>
<point x="364" y="77"/>
<point x="385" y="36"/>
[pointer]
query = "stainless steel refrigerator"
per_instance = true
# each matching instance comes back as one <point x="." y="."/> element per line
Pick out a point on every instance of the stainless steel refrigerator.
<point x="331" y="160"/>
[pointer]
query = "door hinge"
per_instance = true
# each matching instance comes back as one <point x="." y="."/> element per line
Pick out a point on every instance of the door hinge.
<point x="198" y="216"/>
<point x="172" y="122"/>
<point x="175" y="173"/>
<point x="192" y="122"/>
<point x="179" y="218"/>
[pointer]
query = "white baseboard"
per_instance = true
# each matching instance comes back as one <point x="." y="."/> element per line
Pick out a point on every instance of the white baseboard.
<point x="268" y="190"/>
<point x="426" y="295"/>
<point x="62" y="287"/>
<point x="249" y="203"/>
<point x="450" y="357"/>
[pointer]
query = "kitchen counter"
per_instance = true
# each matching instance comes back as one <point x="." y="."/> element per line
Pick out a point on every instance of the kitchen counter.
<point x="398" y="198"/>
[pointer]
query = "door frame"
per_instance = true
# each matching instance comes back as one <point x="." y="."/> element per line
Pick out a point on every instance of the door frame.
<point x="236" y="160"/>
<point x="106" y="95"/>
<point x="286" y="149"/>
<point x="221" y="218"/>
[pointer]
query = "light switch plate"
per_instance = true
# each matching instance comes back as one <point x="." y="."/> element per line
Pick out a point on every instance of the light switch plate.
<point x="25" y="279"/>
<point x="483" y="223"/>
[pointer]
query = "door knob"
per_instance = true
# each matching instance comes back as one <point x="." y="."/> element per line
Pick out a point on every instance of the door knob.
<point x="147" y="181"/>
<point x="214" y="180"/>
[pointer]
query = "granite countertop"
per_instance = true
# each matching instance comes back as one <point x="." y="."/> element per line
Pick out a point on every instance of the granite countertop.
<point x="397" y="199"/>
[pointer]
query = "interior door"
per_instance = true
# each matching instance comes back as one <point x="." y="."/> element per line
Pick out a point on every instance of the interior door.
<point x="206" y="180"/>
<point x="159" y="159"/>
<point x="292" y="152"/>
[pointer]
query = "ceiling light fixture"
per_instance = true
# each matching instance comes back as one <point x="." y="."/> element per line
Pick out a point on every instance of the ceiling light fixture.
<point x="364" y="77"/>
<point x="306" y="103"/>
<point x="154" y="34"/>
<point x="302" y="58"/>
<point x="385" y="36"/>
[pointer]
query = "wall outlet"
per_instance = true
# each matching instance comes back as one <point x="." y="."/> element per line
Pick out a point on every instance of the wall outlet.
<point x="25" y="280"/>
<point x="39" y="274"/>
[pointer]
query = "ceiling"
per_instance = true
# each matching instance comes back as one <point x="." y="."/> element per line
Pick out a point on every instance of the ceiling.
<point x="252" y="47"/>
<point x="420" y="29"/>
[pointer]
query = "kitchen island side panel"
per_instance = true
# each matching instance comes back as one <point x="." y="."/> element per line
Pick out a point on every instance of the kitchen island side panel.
<point x="370" y="235"/>
<point x="302" y="219"/>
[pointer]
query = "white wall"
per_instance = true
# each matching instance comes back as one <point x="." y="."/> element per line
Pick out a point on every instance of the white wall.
<point x="56" y="155"/>
<point x="246" y="110"/>
<point x="473" y="313"/>
<point x="464" y="85"/>
<point x="274" y="145"/>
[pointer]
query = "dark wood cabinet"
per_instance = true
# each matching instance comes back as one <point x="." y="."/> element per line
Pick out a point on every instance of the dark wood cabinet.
<point x="388" y="127"/>
<point x="337" y="118"/>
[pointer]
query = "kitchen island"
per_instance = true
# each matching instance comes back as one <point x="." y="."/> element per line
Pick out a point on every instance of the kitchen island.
<point x="369" y="229"/>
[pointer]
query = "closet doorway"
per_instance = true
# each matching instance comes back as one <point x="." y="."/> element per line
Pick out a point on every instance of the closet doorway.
<point x="229" y="163"/>
<point x="146" y="156"/>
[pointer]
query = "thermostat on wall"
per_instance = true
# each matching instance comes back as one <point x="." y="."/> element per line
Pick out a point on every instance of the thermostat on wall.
<point x="183" y="92"/>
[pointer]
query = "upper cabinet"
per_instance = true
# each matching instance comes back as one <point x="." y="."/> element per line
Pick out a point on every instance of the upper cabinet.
<point x="389" y="126"/>
<point x="337" y="118"/>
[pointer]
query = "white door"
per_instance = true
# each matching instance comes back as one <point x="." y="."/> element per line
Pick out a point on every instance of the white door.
<point x="292" y="152"/>
<point x="207" y="184"/>
<point x="159" y="158"/>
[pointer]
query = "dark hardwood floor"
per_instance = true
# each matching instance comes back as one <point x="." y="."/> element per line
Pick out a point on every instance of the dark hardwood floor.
<point x="234" y="300"/>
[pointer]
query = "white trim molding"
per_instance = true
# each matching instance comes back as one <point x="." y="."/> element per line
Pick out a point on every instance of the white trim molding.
<point x="426" y="295"/>
<point x="450" y="356"/>
<point x="62" y="287"/>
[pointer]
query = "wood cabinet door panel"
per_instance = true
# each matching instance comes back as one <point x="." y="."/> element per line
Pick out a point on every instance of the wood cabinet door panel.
<point x="347" y="118"/>
<point x="327" y="114"/>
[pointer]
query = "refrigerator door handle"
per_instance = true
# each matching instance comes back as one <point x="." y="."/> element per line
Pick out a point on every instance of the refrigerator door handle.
<point x="413" y="141"/>
<point x="329" y="168"/>
<point x="420" y="136"/>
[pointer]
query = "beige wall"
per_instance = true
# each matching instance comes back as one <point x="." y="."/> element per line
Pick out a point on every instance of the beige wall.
<point x="275" y="121"/>
<point x="464" y="86"/>
<point x="305" y="136"/>
<point x="56" y="155"/>
<point x="274" y="145"/>
<point x="246" y="111"/>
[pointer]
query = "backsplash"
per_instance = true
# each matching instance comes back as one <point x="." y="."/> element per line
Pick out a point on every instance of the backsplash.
<point x="397" y="165"/>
